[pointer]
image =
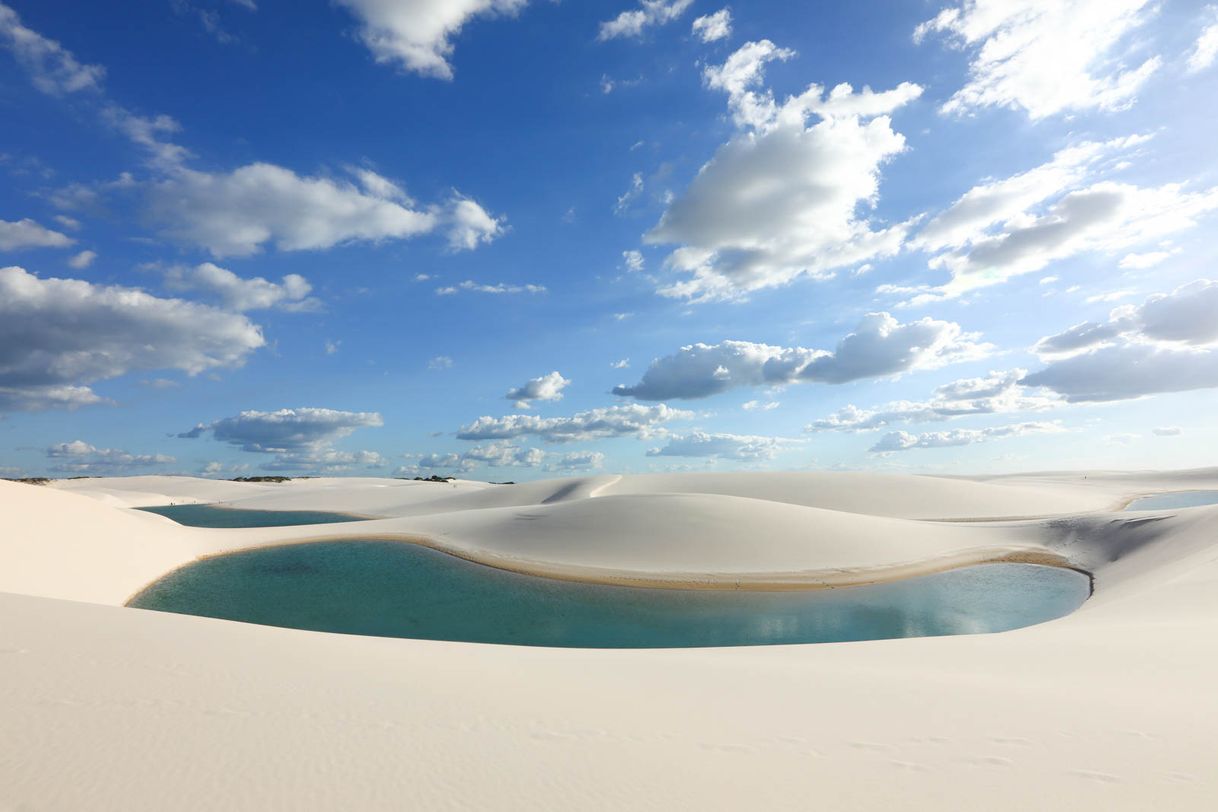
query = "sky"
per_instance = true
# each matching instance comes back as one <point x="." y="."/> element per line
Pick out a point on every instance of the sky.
<point x="516" y="239"/>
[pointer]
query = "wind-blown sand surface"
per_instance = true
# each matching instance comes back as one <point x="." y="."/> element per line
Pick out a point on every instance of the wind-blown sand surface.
<point x="1112" y="707"/>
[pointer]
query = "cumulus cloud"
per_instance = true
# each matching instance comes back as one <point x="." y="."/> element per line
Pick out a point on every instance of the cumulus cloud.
<point x="324" y="460"/>
<point x="548" y="387"/>
<point x="1205" y="50"/>
<point x="1129" y="370"/>
<point x="468" y="225"/>
<point x="27" y="233"/>
<point x="613" y="421"/>
<point x="783" y="198"/>
<point x="996" y="393"/>
<point x="904" y="441"/>
<point x="1045" y="56"/>
<point x="417" y="35"/>
<point x="1023" y="223"/>
<point x="1105" y="217"/>
<point x="285" y="430"/>
<point x="505" y="455"/>
<point x="470" y="286"/>
<point x="712" y="27"/>
<point x="82" y="260"/>
<point x="236" y="293"/>
<point x="575" y="461"/>
<point x="79" y="457"/>
<point x="58" y="335"/>
<point x="52" y="69"/>
<point x="650" y="13"/>
<point x="633" y="260"/>
<point x="301" y="439"/>
<point x="878" y="347"/>
<point x="1167" y="344"/>
<point x="1000" y="201"/>
<point x="720" y="446"/>
<point x="1187" y="315"/>
<point x="237" y="213"/>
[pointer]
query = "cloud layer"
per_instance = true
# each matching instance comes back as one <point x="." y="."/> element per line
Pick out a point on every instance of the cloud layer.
<point x="878" y="347"/>
<point x="631" y="420"/>
<point x="1045" y="57"/>
<point x="58" y="335"/>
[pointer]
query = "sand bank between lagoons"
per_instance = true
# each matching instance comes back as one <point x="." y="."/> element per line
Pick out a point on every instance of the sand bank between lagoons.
<point x="1111" y="707"/>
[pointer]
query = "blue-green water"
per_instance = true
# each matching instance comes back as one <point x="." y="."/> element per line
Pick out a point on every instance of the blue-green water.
<point x="392" y="589"/>
<point x="1176" y="499"/>
<point x="212" y="516"/>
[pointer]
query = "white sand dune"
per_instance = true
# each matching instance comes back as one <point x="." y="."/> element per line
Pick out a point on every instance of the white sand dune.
<point x="1112" y="707"/>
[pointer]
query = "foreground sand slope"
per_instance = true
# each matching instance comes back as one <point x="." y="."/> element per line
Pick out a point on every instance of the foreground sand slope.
<point x="1112" y="707"/>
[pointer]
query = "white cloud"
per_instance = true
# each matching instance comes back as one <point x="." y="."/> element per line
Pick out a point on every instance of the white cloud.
<point x="114" y="330"/>
<point x="440" y="362"/>
<point x="613" y="421"/>
<point x="82" y="260"/>
<point x="782" y="199"/>
<point x="504" y="455"/>
<point x="471" y="286"/>
<point x="1140" y="262"/>
<point x="331" y="347"/>
<point x="67" y="222"/>
<point x="469" y="225"/>
<point x="79" y="457"/>
<point x="575" y="461"/>
<point x="1110" y="296"/>
<point x="760" y="406"/>
<point x="417" y="35"/>
<point x="26" y="233"/>
<point x="633" y="260"/>
<point x="712" y="27"/>
<point x="300" y="438"/>
<point x="1105" y="217"/>
<point x="324" y="460"/>
<point x="721" y="446"/>
<point x="548" y="387"/>
<point x="1130" y="370"/>
<point x="650" y="13"/>
<point x="236" y="293"/>
<point x="1187" y="315"/>
<point x="1002" y="201"/>
<point x="52" y="69"/>
<point x="1205" y="51"/>
<point x="996" y="393"/>
<point x="1045" y="56"/>
<point x="904" y="441"/>
<point x="1168" y="431"/>
<point x="237" y="213"/>
<point x="623" y="363"/>
<point x="880" y="346"/>
<point x="1168" y="344"/>
<point x="630" y="195"/>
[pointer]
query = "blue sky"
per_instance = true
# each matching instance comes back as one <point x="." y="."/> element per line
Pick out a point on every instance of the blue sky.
<point x="511" y="239"/>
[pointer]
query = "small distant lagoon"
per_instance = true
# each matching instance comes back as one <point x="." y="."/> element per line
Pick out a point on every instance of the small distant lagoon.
<point x="1174" y="500"/>
<point x="391" y="589"/>
<point x="214" y="516"/>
